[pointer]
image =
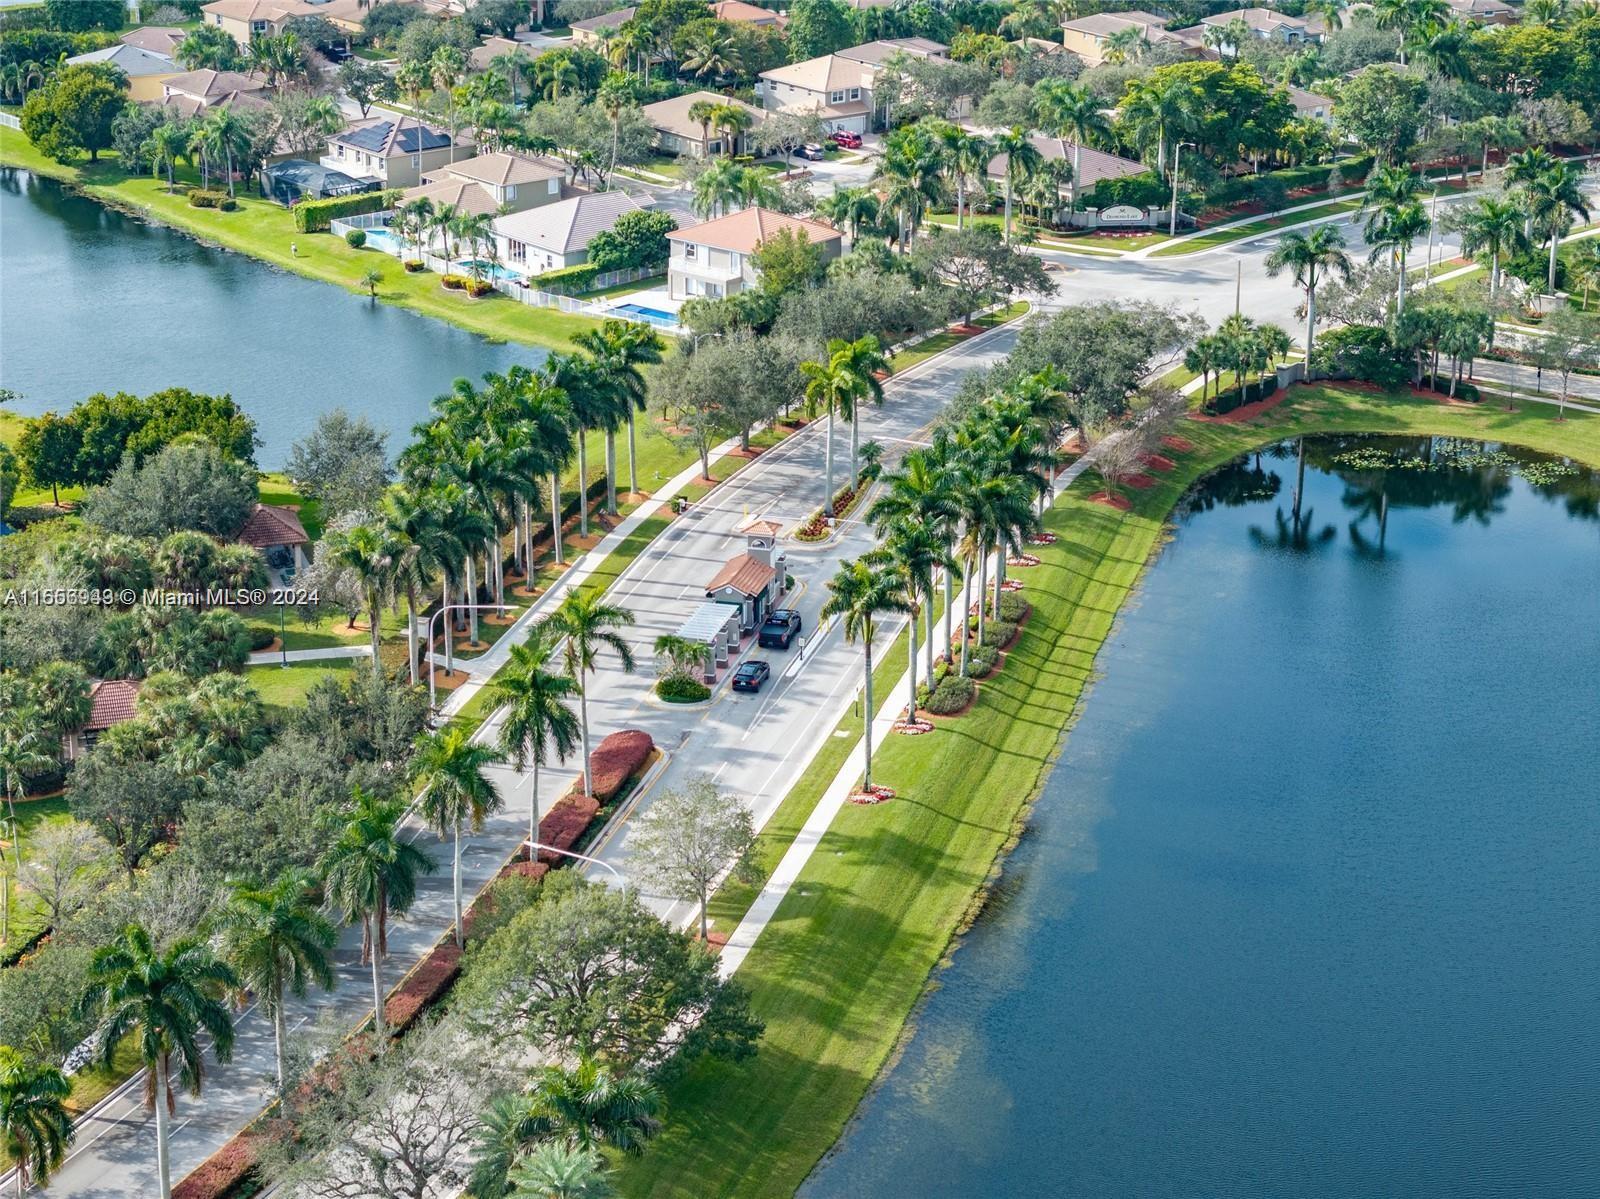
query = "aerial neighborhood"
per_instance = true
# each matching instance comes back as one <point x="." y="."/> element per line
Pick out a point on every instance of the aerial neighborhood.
<point x="798" y="598"/>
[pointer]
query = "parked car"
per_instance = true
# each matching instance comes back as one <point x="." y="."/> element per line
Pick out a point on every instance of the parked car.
<point x="779" y="629"/>
<point x="812" y="152"/>
<point x="846" y="139"/>
<point x="751" y="675"/>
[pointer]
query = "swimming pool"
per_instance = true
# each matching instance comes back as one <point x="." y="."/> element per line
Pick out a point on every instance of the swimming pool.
<point x="649" y="313"/>
<point x="486" y="270"/>
<point x="382" y="239"/>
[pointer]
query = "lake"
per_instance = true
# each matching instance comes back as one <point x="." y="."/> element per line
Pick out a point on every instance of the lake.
<point x="1311" y="904"/>
<point x="96" y="300"/>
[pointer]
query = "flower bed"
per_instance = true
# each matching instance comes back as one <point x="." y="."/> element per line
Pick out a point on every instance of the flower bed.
<point x="874" y="794"/>
<point x="616" y="760"/>
<point x="817" y="527"/>
<point x="913" y="728"/>
<point x="1111" y="500"/>
<point x="1158" y="462"/>
<point x="1011" y="585"/>
<point x="1022" y="560"/>
<point x="224" y="1173"/>
<point x="1042" y="539"/>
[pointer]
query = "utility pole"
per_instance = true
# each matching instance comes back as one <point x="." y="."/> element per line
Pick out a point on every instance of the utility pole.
<point x="1177" y="154"/>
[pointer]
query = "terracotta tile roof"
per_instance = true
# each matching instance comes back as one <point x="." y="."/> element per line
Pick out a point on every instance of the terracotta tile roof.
<point x="617" y="16"/>
<point x="746" y="575"/>
<point x="114" y="701"/>
<point x="161" y="39"/>
<point x="1096" y="164"/>
<point x="271" y="525"/>
<point x="743" y="231"/>
<point x="766" y="528"/>
<point x="462" y="194"/>
<point x="738" y="10"/>
<point x="566" y="226"/>
<point x="206" y="84"/>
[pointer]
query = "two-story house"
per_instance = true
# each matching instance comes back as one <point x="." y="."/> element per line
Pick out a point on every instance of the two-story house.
<point x="838" y="86"/>
<point x="245" y="20"/>
<point x="493" y="183"/>
<point x="1264" y="24"/>
<point x="395" y="150"/>
<point x="1095" y="38"/>
<point x="713" y="260"/>
<point x="145" y="70"/>
<point x="193" y="92"/>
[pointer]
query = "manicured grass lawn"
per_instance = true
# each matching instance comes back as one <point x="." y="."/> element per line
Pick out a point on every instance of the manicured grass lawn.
<point x="32" y="816"/>
<point x="624" y="289"/>
<point x="836" y="973"/>
<point x="286" y="686"/>
<point x="927" y="348"/>
<point x="266" y="231"/>
<point x="1222" y="237"/>
<point x="1107" y="241"/>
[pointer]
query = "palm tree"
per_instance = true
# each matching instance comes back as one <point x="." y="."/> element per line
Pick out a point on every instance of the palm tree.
<point x="589" y="624"/>
<point x="703" y="113"/>
<point x="369" y="872"/>
<point x="1072" y="111"/>
<point x="1392" y="229"/>
<point x="445" y="220"/>
<point x="591" y="401"/>
<point x="1155" y="109"/>
<point x="163" y="1000"/>
<point x="1554" y="197"/>
<point x="1495" y="132"/>
<point x="910" y="173"/>
<point x="592" y="1108"/>
<point x="418" y="221"/>
<point x="510" y="66"/>
<point x="276" y="941"/>
<point x="35" y="1126"/>
<point x="223" y="135"/>
<point x="455" y="790"/>
<point x="556" y="1170"/>
<point x="24" y="751"/>
<point x="614" y="97"/>
<point x="618" y="349"/>
<point x="857" y="594"/>
<point x="1494" y="225"/>
<point x="731" y="121"/>
<point x="827" y="385"/>
<point x="711" y="52"/>
<point x="861" y="362"/>
<point x="1584" y="267"/>
<point x="1203" y="358"/>
<point x="965" y="156"/>
<point x="1125" y="45"/>
<point x="445" y="68"/>
<point x="850" y="207"/>
<point x="538" y="718"/>
<point x="716" y="189"/>
<point x="1309" y="255"/>
<point x="918" y="492"/>
<point x="1022" y="159"/>
<point x="915" y="551"/>
<point x="372" y="554"/>
<point x="168" y="144"/>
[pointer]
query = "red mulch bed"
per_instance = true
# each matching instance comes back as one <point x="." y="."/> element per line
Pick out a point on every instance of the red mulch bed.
<point x="1140" y="482"/>
<point x="563" y="824"/>
<point x="1158" y="462"/>
<point x="913" y="729"/>
<point x="1246" y="412"/>
<point x="223" y="1173"/>
<point x="434" y="975"/>
<point x="525" y="868"/>
<point x="875" y="794"/>
<point x="616" y="760"/>
<point x="1177" y="445"/>
<point x="1111" y="500"/>
<point x="966" y="330"/>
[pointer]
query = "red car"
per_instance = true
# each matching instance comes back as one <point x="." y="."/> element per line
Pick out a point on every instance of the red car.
<point x="845" y="139"/>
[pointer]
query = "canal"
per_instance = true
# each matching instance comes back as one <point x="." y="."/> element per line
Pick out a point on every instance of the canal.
<point x="96" y="300"/>
<point x="1310" y="904"/>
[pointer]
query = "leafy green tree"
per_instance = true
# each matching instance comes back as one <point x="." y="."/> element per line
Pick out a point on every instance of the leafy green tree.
<point x="132" y="804"/>
<point x="343" y="462"/>
<point x="35" y="1125"/>
<point x="975" y="268"/>
<point x="450" y="769"/>
<point x="48" y="451"/>
<point x="538" y="718"/>
<point x="818" y="27"/>
<point x="369" y="873"/>
<point x="162" y="1000"/>
<point x="788" y="261"/>
<point x="687" y="838"/>
<point x="278" y="944"/>
<point x="858" y="594"/>
<point x="74" y="111"/>
<point x="1382" y="110"/>
<point x="638" y="239"/>
<point x="590" y="624"/>
<point x="10" y="477"/>
<point x="185" y="486"/>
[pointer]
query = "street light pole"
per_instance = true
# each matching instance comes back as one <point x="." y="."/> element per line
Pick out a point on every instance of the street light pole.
<point x="535" y="848"/>
<point x="1177" y="156"/>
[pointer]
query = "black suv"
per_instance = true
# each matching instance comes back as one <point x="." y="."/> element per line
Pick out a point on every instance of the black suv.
<point x="779" y="629"/>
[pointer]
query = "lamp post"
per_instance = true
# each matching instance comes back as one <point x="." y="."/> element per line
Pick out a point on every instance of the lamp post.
<point x="1177" y="155"/>
<point x="535" y="848"/>
<point x="427" y="648"/>
<point x="1433" y="222"/>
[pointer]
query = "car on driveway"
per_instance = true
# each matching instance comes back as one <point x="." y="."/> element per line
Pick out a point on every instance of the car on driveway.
<point x="812" y="152"/>
<point x="779" y="629"/>
<point x="751" y="675"/>
<point x="845" y="139"/>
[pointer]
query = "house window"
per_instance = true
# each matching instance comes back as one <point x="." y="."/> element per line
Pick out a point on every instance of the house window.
<point x="519" y="251"/>
<point x="258" y="27"/>
<point x="714" y="147"/>
<point x="733" y="262"/>
<point x="691" y="251"/>
<point x="510" y="194"/>
<point x="855" y="93"/>
<point x="836" y="97"/>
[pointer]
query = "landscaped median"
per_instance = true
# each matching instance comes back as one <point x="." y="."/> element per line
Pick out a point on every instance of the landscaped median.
<point x="265" y="230"/>
<point x="838" y="970"/>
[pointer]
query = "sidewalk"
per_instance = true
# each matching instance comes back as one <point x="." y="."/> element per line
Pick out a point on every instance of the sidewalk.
<point x="327" y="653"/>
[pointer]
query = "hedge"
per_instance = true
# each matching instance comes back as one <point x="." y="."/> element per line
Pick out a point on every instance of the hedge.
<point x="950" y="696"/>
<point x="981" y="660"/>
<point x="427" y="983"/>
<point x="201" y="198"/>
<point x="1013" y="607"/>
<point x="681" y="689"/>
<point x="224" y="1172"/>
<point x="563" y="824"/>
<point x="998" y="633"/>
<point x="617" y="759"/>
<point x="314" y="216"/>
<point x="568" y="279"/>
<point x="1441" y="384"/>
<point x="1238" y="397"/>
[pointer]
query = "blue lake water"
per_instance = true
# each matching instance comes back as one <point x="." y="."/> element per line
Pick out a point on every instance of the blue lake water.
<point x="92" y="299"/>
<point x="1311" y="904"/>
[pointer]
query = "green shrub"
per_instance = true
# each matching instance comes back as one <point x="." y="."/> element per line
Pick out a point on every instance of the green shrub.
<point x="681" y="689"/>
<point x="205" y="198"/>
<point x="455" y="282"/>
<point x="355" y="238"/>
<point x="999" y="633"/>
<point x="981" y="661"/>
<point x="414" y="265"/>
<point x="1362" y="352"/>
<point x="314" y="216"/>
<point x="951" y="696"/>
<point x="1013" y="607"/>
<point x="261" y="636"/>
<point x="568" y="279"/>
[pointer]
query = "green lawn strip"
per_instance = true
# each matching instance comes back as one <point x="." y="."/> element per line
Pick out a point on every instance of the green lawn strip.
<point x="275" y="488"/>
<point x="623" y="289"/>
<point x="849" y="951"/>
<point x="285" y="687"/>
<point x="27" y="914"/>
<point x="928" y="347"/>
<point x="265" y="230"/>
<point x="1222" y="237"/>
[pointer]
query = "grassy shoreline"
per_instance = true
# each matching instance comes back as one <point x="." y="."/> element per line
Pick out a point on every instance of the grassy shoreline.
<point x="839" y="971"/>
<point x="265" y="231"/>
